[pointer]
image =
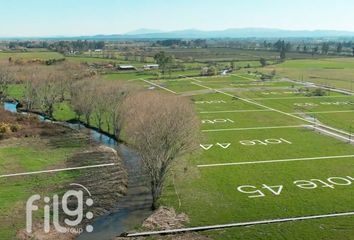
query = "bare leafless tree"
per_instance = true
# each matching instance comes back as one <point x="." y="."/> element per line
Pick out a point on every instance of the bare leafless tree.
<point x="100" y="102"/>
<point x="72" y="72"/>
<point x="116" y="97"/>
<point x="48" y="93"/>
<point x="6" y="78"/>
<point x="30" y="91"/>
<point x="161" y="128"/>
<point x="82" y="99"/>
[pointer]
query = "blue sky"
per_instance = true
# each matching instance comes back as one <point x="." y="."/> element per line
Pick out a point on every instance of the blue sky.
<point x="89" y="17"/>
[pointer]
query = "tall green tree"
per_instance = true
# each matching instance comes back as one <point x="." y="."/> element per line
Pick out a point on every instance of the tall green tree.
<point x="232" y="65"/>
<point x="325" y="48"/>
<point x="263" y="62"/>
<point x="165" y="62"/>
<point x="282" y="47"/>
<point x="315" y="50"/>
<point x="212" y="71"/>
<point x="278" y="45"/>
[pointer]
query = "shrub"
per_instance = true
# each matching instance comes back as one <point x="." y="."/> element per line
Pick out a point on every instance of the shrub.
<point x="14" y="127"/>
<point x="8" y="128"/>
<point x="318" y="92"/>
<point x="4" y="128"/>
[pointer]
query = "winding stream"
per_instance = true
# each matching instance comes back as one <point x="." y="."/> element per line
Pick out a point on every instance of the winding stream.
<point x="133" y="208"/>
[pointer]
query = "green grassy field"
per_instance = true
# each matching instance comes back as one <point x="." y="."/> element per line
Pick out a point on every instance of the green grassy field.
<point x="15" y="191"/>
<point x="242" y="120"/>
<point x="341" y="120"/>
<point x="219" y="102"/>
<point x="243" y="137"/>
<point x="337" y="72"/>
<point x="128" y="76"/>
<point x="295" y="92"/>
<point x="253" y="137"/>
<point x="26" y="156"/>
<point x="210" y="196"/>
<point x="16" y="91"/>
<point x="30" y="55"/>
<point x="308" y="104"/>
<point x="226" y="54"/>
<point x="103" y="60"/>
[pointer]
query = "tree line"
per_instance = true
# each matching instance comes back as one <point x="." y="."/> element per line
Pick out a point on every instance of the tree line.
<point x="58" y="46"/>
<point x="181" y="43"/>
<point x="323" y="48"/>
<point x="160" y="127"/>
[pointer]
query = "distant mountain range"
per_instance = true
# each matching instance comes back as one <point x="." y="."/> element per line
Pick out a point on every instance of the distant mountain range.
<point x="143" y="31"/>
<point x="228" y="33"/>
<point x="240" y="33"/>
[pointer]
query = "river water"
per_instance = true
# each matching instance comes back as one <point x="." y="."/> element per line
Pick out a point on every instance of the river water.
<point x="133" y="208"/>
<point x="11" y="107"/>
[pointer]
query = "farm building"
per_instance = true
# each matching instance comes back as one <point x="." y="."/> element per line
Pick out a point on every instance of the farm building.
<point x="126" y="67"/>
<point x="151" y="66"/>
<point x="225" y="72"/>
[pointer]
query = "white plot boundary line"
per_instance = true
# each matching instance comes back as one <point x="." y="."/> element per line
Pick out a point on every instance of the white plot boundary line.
<point x="294" y="98"/>
<point x="243" y="224"/>
<point x="255" y="103"/>
<point x="324" y="112"/>
<point x="272" y="109"/>
<point x="240" y="76"/>
<point x="332" y="134"/>
<point x="312" y="84"/>
<point x="57" y="170"/>
<point x="265" y="110"/>
<point x="192" y="78"/>
<point x="156" y="85"/>
<point x="273" y="161"/>
<point x="334" y="129"/>
<point x="254" y="128"/>
<point x="237" y="111"/>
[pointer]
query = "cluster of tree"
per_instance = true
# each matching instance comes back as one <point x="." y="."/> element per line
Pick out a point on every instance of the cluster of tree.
<point x="27" y="44"/>
<point x="182" y="43"/>
<point x="79" y="45"/>
<point x="99" y="103"/>
<point x="336" y="46"/>
<point x="165" y="62"/>
<point x="312" y="47"/>
<point x="21" y="61"/>
<point x="282" y="47"/>
<point x="209" y="71"/>
<point x="46" y="86"/>
<point x="214" y="68"/>
<point x="59" y="46"/>
<point x="317" y="92"/>
<point x="135" y="55"/>
<point x="326" y="48"/>
<point x="160" y="127"/>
